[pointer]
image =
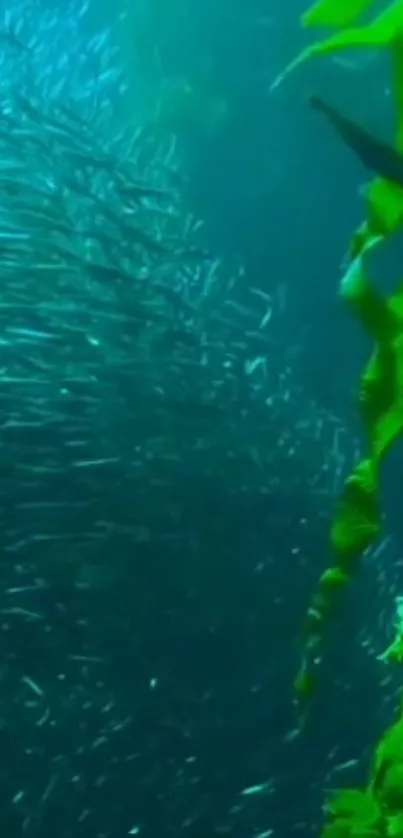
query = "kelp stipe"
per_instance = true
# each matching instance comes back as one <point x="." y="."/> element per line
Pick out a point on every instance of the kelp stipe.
<point x="357" y="519"/>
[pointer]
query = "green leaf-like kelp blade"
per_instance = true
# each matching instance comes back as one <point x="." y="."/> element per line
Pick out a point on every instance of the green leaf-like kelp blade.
<point x="385" y="207"/>
<point x="357" y="521"/>
<point x="360" y="807"/>
<point x="335" y="13"/>
<point x="394" y="828"/>
<point x="386" y="28"/>
<point x="389" y="750"/>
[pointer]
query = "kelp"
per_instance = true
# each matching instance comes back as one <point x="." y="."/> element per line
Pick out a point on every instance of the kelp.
<point x="394" y="652"/>
<point x="386" y="30"/>
<point x="357" y="519"/>
<point x="375" y="811"/>
<point x="337" y="15"/>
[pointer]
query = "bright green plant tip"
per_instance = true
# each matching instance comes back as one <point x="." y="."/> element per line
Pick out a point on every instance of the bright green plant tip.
<point x="337" y="13"/>
<point x="349" y="39"/>
<point x="381" y="32"/>
<point x="373" y="35"/>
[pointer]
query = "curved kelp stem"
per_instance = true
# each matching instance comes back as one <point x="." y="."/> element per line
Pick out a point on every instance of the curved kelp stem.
<point x="357" y="520"/>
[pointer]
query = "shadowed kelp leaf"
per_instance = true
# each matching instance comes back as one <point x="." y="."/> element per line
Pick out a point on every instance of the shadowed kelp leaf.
<point x="389" y="751"/>
<point x="345" y="828"/>
<point x="340" y="828"/>
<point x="387" y="431"/>
<point x="375" y="154"/>
<point x="391" y="792"/>
<point x="357" y="522"/>
<point x="394" y="826"/>
<point x="366" y="303"/>
<point x="382" y="380"/>
<point x="359" y="807"/>
<point x="377" y="389"/>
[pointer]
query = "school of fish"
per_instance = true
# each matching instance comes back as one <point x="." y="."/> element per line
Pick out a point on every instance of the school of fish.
<point x="145" y="390"/>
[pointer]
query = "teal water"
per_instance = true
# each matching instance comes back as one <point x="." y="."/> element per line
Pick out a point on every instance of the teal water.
<point x="177" y="415"/>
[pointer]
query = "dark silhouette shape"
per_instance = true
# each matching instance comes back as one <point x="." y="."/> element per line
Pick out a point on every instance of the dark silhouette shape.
<point x="377" y="156"/>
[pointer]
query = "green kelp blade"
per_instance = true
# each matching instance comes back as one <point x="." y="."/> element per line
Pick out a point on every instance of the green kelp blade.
<point x="332" y="580"/>
<point x="394" y="826"/>
<point x="393" y="654"/>
<point x="335" y="13"/>
<point x="357" y="521"/>
<point x="391" y="792"/>
<point x="389" y="751"/>
<point x="360" y="807"/>
<point x="395" y="305"/>
<point x="386" y="431"/>
<point x="305" y="683"/>
<point x="363" y="37"/>
<point x="385" y="207"/>
<point x="362" y="240"/>
<point x="386" y="28"/>
<point x="352" y="533"/>
<point x="339" y="828"/>
<point x="366" y="303"/>
<point x="377" y="391"/>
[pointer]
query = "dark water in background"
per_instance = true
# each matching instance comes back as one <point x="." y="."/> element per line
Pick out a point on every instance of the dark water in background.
<point x="198" y="648"/>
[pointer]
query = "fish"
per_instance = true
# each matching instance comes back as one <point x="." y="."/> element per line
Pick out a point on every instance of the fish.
<point x="377" y="156"/>
<point x="150" y="406"/>
<point x="9" y="36"/>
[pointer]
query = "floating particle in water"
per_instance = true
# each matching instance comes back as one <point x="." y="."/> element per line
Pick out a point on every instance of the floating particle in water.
<point x="262" y="788"/>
